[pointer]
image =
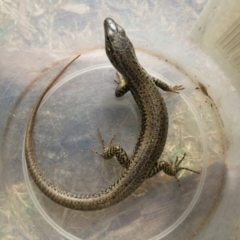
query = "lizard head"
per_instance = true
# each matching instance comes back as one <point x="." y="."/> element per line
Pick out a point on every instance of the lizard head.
<point x="118" y="46"/>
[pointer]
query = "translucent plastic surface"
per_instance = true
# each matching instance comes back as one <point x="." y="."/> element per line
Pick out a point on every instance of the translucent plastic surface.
<point x="83" y="100"/>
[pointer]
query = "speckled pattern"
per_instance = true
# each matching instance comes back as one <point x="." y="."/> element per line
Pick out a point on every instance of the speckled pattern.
<point x="154" y="128"/>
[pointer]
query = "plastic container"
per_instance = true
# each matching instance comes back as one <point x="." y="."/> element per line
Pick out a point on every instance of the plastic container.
<point x="36" y="42"/>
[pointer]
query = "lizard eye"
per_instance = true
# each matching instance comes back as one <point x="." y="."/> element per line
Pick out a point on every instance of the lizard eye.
<point x="107" y="38"/>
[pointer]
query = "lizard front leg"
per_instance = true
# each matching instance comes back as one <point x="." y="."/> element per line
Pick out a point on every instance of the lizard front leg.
<point x="166" y="87"/>
<point x="122" y="87"/>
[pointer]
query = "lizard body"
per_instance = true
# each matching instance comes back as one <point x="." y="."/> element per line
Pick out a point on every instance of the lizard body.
<point x="154" y="128"/>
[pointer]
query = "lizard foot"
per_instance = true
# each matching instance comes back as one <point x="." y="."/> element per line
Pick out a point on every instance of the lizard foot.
<point x="107" y="152"/>
<point x="173" y="168"/>
<point x="177" y="88"/>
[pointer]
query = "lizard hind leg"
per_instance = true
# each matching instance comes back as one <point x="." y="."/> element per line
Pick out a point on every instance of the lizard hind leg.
<point x="171" y="168"/>
<point x="107" y="152"/>
<point x="110" y="150"/>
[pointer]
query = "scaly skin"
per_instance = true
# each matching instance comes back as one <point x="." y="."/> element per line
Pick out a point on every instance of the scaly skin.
<point x="152" y="139"/>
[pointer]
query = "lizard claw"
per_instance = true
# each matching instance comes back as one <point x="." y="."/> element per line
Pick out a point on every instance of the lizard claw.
<point x="177" y="88"/>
